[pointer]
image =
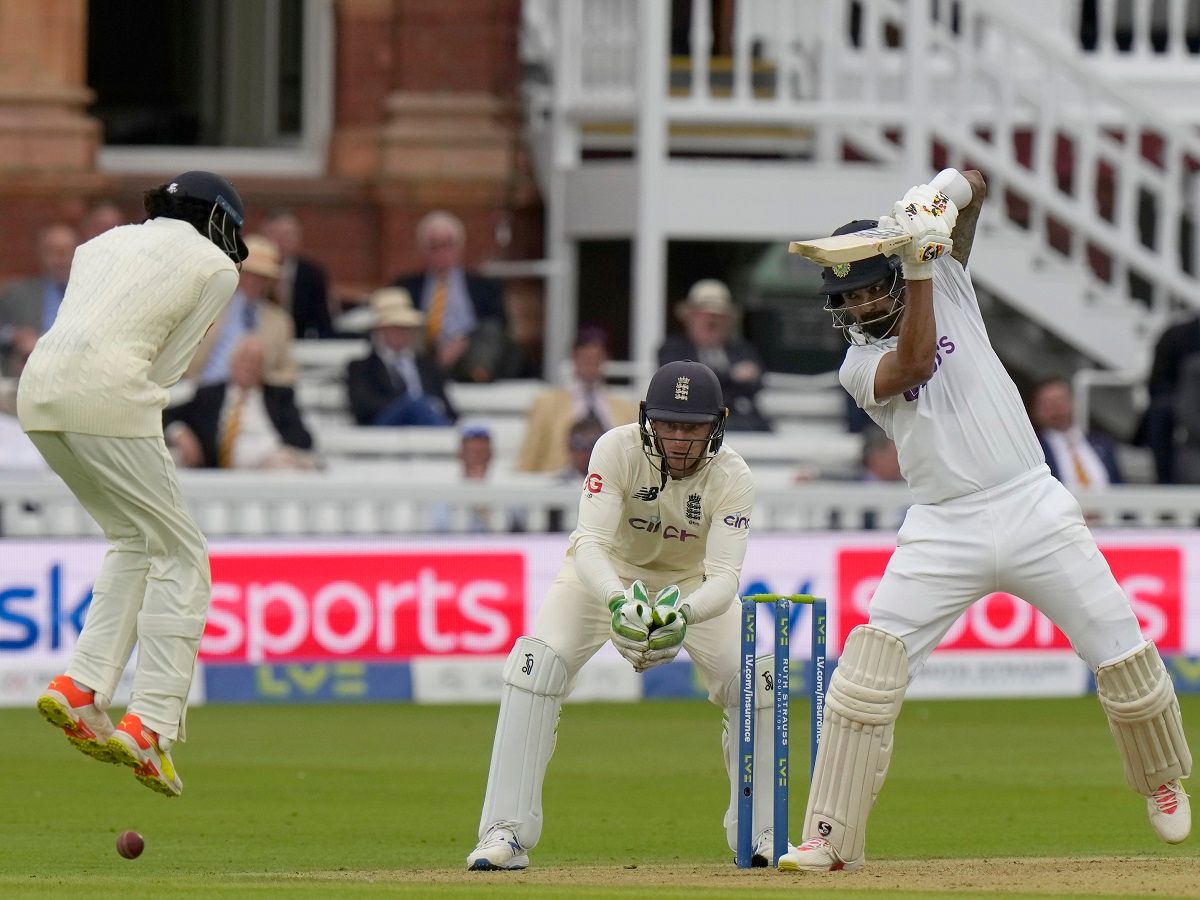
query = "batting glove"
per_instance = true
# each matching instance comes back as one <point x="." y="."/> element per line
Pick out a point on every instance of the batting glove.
<point x="929" y="216"/>
<point x="632" y="617"/>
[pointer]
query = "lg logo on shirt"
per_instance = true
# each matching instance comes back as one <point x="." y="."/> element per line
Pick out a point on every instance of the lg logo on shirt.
<point x="655" y="526"/>
<point x="594" y="483"/>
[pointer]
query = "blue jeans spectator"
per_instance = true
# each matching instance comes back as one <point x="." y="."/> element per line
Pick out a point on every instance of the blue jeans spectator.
<point x="410" y="411"/>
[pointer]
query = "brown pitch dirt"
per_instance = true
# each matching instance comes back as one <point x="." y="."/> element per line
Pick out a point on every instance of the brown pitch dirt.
<point x="1101" y="876"/>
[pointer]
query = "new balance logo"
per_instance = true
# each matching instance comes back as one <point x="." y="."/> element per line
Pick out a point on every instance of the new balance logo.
<point x="646" y="493"/>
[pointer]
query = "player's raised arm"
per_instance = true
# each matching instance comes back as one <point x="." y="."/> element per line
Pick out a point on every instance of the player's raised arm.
<point x="968" y="217"/>
<point x="930" y="217"/>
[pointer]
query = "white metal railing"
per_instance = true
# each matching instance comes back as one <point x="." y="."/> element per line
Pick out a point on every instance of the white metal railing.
<point x="279" y="504"/>
<point x="1088" y="180"/>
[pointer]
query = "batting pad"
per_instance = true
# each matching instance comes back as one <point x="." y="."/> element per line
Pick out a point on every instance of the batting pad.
<point x="764" y="751"/>
<point x="1143" y="715"/>
<point x="535" y="682"/>
<point x="864" y="699"/>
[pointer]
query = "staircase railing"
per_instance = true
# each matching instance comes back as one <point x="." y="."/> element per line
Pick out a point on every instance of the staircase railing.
<point x="1094" y="180"/>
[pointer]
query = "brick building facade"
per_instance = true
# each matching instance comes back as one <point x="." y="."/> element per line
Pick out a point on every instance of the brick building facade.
<point x="426" y="114"/>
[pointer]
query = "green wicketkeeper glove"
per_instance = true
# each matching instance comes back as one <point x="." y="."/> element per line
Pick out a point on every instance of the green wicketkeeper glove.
<point x="631" y="620"/>
<point x="669" y="623"/>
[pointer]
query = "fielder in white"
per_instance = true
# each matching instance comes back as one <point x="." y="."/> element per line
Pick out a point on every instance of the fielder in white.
<point x="654" y="565"/>
<point x="139" y="299"/>
<point x="988" y="517"/>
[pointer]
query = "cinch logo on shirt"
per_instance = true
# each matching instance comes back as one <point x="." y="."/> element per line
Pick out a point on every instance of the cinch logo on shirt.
<point x="944" y="343"/>
<point x="669" y="533"/>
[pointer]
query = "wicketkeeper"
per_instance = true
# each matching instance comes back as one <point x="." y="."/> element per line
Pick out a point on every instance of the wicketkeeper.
<point x="653" y="566"/>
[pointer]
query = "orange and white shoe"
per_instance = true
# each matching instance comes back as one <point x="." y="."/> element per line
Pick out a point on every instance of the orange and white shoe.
<point x="816" y="855"/>
<point x="135" y="745"/>
<point x="1170" y="812"/>
<point x="74" y="710"/>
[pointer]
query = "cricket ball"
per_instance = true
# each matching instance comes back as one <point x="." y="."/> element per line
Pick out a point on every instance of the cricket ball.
<point x="130" y="844"/>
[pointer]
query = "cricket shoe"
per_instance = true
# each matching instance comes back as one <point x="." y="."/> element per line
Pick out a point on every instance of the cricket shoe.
<point x="499" y="849"/>
<point x="136" y="746"/>
<point x="1170" y="812"/>
<point x="66" y="706"/>
<point x="764" y="850"/>
<point x="816" y="855"/>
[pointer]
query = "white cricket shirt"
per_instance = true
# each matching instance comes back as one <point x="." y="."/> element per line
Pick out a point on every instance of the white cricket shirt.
<point x="965" y="429"/>
<point x="632" y="525"/>
<point x="139" y="299"/>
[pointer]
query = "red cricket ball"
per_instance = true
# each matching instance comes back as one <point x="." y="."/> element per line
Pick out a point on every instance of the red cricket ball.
<point x="130" y="844"/>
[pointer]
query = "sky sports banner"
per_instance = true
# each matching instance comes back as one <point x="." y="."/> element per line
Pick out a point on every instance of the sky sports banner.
<point x="432" y="618"/>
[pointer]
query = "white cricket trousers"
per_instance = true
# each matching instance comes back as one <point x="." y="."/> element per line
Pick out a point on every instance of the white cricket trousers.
<point x="154" y="585"/>
<point x="1026" y="537"/>
<point x="577" y="624"/>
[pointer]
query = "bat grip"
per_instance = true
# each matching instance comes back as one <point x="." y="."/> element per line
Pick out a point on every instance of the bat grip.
<point x="954" y="185"/>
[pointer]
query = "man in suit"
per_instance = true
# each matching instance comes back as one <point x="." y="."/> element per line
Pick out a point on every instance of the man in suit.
<point x="544" y="448"/>
<point x="28" y="306"/>
<point x="1078" y="460"/>
<point x="707" y="316"/>
<point x="1175" y="346"/>
<point x="242" y="423"/>
<point x="252" y="310"/>
<point x="466" y="326"/>
<point x="397" y="384"/>
<point x="303" y="288"/>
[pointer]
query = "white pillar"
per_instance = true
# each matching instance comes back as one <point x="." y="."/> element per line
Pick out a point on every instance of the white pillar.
<point x="648" y="300"/>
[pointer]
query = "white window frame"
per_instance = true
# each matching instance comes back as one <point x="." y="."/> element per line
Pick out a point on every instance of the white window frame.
<point x="307" y="158"/>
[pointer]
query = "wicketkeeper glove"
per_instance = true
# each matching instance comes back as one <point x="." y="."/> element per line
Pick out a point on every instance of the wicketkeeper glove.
<point x="669" y="625"/>
<point x="632" y="617"/>
<point x="929" y="216"/>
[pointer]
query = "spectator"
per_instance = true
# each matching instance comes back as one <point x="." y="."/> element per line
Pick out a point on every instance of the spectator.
<point x="465" y="323"/>
<point x="28" y="306"/>
<point x="303" y="288"/>
<point x="397" y="383"/>
<point x="103" y="215"/>
<point x="243" y="423"/>
<point x="252" y="310"/>
<point x="707" y="317"/>
<point x="475" y="456"/>
<point x="1075" y="459"/>
<point x="879" y="458"/>
<point x="581" y="439"/>
<point x="544" y="448"/>
<point x="1175" y="347"/>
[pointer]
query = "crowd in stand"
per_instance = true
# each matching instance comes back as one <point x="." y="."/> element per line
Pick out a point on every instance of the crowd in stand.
<point x="445" y="324"/>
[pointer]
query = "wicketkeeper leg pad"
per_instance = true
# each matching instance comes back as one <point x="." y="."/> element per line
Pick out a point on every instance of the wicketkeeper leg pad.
<point x="764" y="751"/>
<point x="864" y="699"/>
<point x="1143" y="715"/>
<point x="535" y="683"/>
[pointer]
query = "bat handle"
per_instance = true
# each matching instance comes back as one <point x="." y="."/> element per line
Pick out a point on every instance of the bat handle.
<point x="954" y="185"/>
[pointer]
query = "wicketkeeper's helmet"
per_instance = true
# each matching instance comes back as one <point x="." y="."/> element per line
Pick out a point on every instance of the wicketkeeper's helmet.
<point x="683" y="391"/>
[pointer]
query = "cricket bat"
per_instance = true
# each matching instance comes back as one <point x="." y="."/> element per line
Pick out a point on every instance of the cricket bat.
<point x="847" y="248"/>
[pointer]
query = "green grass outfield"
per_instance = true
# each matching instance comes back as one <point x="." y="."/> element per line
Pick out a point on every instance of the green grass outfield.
<point x="1016" y="798"/>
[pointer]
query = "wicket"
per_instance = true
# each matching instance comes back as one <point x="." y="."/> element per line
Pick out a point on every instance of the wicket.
<point x="782" y="690"/>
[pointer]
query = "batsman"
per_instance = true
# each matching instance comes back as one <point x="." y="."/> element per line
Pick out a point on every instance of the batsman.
<point x="988" y="517"/>
<point x="654" y="566"/>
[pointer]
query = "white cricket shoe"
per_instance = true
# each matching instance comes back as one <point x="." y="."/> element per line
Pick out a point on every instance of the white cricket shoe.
<point x="764" y="849"/>
<point x="498" y="850"/>
<point x="816" y="855"/>
<point x="1170" y="812"/>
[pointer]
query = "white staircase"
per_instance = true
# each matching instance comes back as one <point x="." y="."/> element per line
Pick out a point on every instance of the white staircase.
<point x="1089" y="182"/>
